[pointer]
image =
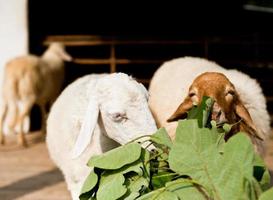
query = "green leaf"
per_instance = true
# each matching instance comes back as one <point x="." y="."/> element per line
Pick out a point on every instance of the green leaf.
<point x="161" y="178"/>
<point x="145" y="157"/>
<point x="195" y="154"/>
<point x="134" y="185"/>
<point x="117" y="158"/>
<point x="111" y="187"/>
<point x="239" y="150"/>
<point x="261" y="173"/>
<point x="220" y="134"/>
<point x="90" y="182"/>
<point x="161" y="137"/>
<point x="233" y="179"/>
<point x="265" y="181"/>
<point x="184" y="189"/>
<point x="192" y="148"/>
<point x="166" y="195"/>
<point x="258" y="161"/>
<point x="160" y="194"/>
<point x="213" y="124"/>
<point x="131" y="196"/>
<point x="151" y="195"/>
<point x="227" y="182"/>
<point x="136" y="177"/>
<point x="136" y="167"/>
<point x="86" y="196"/>
<point x="202" y="111"/>
<point x="188" y="131"/>
<point x="141" y="166"/>
<point x="267" y="195"/>
<point x="227" y="128"/>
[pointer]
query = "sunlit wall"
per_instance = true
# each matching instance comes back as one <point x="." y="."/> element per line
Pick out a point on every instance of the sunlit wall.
<point x="13" y="31"/>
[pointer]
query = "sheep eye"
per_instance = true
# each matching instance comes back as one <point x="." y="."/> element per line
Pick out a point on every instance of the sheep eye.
<point x="231" y="92"/>
<point x="191" y="94"/>
<point x="118" y="117"/>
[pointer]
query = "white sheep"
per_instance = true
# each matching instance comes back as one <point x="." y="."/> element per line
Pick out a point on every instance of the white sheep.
<point x="170" y="87"/>
<point x="91" y="116"/>
<point x="31" y="80"/>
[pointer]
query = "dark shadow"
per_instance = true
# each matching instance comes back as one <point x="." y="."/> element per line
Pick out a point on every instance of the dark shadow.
<point x="35" y="118"/>
<point x="31" y="184"/>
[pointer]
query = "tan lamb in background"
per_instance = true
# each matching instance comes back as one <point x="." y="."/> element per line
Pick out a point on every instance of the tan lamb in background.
<point x="30" y="80"/>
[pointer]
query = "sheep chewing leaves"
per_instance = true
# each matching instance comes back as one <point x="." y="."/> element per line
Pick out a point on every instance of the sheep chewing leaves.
<point x="199" y="164"/>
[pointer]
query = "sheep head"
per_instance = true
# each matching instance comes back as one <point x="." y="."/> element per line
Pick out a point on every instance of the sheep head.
<point x="227" y="107"/>
<point x="124" y="108"/>
<point x="120" y="106"/>
<point x="58" y="49"/>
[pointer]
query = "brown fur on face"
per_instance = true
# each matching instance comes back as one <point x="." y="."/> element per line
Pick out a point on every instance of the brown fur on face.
<point x="227" y="107"/>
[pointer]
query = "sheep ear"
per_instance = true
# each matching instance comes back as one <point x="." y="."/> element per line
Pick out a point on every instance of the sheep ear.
<point x="87" y="128"/>
<point x="65" y="56"/>
<point x="144" y="90"/>
<point x="247" y="123"/>
<point x="181" y="111"/>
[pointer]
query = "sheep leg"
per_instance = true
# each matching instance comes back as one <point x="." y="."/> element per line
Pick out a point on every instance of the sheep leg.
<point x="24" y="112"/>
<point x="11" y="115"/>
<point x="3" y="114"/>
<point x="2" y="138"/>
<point x="43" y="118"/>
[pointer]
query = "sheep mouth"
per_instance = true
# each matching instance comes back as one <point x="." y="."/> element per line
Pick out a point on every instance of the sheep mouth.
<point x="217" y="114"/>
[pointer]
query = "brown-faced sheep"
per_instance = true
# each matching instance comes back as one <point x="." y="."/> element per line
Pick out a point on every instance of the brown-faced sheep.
<point x="180" y="83"/>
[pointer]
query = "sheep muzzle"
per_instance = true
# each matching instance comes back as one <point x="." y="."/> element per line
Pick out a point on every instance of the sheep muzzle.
<point x="217" y="114"/>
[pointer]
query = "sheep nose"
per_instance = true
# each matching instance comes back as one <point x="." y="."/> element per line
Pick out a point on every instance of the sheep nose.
<point x="216" y="112"/>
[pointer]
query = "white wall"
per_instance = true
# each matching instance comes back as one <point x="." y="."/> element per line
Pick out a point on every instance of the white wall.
<point x="13" y="31"/>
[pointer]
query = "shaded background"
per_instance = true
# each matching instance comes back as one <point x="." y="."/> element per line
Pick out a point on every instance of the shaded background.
<point x="236" y="34"/>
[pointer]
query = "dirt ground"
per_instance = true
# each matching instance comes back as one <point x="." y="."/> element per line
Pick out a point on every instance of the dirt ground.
<point x="29" y="174"/>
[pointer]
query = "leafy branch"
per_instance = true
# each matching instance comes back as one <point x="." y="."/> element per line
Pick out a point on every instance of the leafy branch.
<point x="199" y="165"/>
